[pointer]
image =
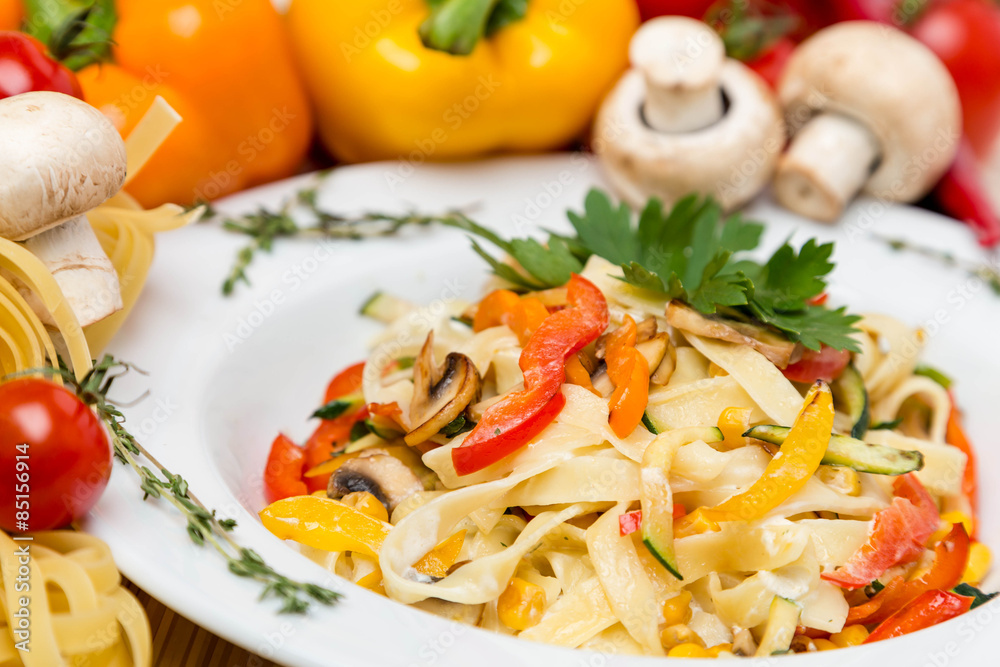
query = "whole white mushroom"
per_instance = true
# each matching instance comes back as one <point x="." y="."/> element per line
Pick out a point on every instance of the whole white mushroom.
<point x="687" y="119"/>
<point x="875" y="110"/>
<point x="59" y="158"/>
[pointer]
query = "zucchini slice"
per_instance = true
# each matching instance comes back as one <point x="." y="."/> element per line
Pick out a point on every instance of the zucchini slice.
<point x="386" y="308"/>
<point x="851" y="397"/>
<point x="781" y="622"/>
<point x="655" y="496"/>
<point x="852" y="453"/>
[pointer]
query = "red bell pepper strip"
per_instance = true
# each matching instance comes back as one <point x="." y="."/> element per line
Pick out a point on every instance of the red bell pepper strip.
<point x="511" y="423"/>
<point x="955" y="436"/>
<point x="629" y="372"/>
<point x="962" y="195"/>
<point x="950" y="556"/>
<point x="332" y="434"/>
<point x="346" y="382"/>
<point x="898" y="535"/>
<point x="929" y="609"/>
<point x="283" y="473"/>
<point x="630" y="522"/>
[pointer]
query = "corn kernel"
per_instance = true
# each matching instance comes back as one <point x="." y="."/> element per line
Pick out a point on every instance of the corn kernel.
<point x="978" y="564"/>
<point x="824" y="645"/>
<point x="677" y="610"/>
<point x="839" y="478"/>
<point x="947" y="519"/>
<point x="719" y="649"/>
<point x="688" y="651"/>
<point x="366" y="503"/>
<point x="675" y="635"/>
<point x="852" y="635"/>
<point x="734" y="422"/>
<point x="521" y="604"/>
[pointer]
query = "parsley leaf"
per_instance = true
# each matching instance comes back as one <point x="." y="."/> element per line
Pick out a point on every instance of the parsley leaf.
<point x="692" y="253"/>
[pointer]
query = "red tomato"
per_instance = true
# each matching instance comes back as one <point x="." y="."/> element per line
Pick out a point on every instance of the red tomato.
<point x="771" y="63"/>
<point x="694" y="8"/>
<point x="965" y="35"/>
<point x="827" y="365"/>
<point x="25" y="65"/>
<point x="55" y="459"/>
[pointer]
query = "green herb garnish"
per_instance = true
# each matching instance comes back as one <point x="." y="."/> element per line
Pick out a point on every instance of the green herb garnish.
<point x="337" y="407"/>
<point x="691" y="253"/>
<point x="970" y="591"/>
<point x="202" y="524"/>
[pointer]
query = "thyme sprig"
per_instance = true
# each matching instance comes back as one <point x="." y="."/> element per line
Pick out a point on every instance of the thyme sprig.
<point x="203" y="526"/>
<point x="989" y="273"/>
<point x="265" y="225"/>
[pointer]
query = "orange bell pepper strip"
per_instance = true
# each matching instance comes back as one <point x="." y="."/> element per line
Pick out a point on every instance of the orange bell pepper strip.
<point x="332" y="434"/>
<point x="898" y="535"/>
<point x="346" y="382"/>
<point x="629" y="372"/>
<point x="950" y="556"/>
<point x="955" y="436"/>
<point x="283" y="473"/>
<point x="578" y="375"/>
<point x="929" y="609"/>
<point x="512" y="422"/>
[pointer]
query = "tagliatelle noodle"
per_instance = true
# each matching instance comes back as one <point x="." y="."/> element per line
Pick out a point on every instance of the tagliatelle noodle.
<point x="79" y="613"/>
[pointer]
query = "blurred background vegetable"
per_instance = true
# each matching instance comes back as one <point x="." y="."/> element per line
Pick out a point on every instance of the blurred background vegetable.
<point x="247" y="118"/>
<point x="10" y="14"/>
<point x="385" y="85"/>
<point x="26" y="65"/>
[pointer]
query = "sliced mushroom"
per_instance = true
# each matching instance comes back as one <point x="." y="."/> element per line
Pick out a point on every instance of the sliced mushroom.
<point x="778" y="349"/>
<point x="661" y="356"/>
<point x="440" y="393"/>
<point x="380" y="474"/>
<point x="452" y="611"/>
<point x="601" y="381"/>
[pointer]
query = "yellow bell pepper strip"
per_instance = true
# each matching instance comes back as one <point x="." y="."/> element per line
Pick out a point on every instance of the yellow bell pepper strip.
<point x="518" y="417"/>
<point x="529" y="85"/>
<point x="325" y="524"/>
<point x="629" y="372"/>
<point x="439" y="560"/>
<point x="897" y="535"/>
<point x="790" y="468"/>
<point x="227" y="67"/>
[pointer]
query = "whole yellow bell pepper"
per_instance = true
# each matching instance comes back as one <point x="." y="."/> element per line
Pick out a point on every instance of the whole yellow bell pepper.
<point x="389" y="80"/>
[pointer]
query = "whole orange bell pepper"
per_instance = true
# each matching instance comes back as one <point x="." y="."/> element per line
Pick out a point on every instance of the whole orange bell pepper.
<point x="10" y="14"/>
<point x="226" y="66"/>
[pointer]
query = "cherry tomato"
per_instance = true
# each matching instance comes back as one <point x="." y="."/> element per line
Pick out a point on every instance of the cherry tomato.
<point x="771" y="63"/>
<point x="55" y="459"/>
<point x="827" y="364"/>
<point x="965" y="35"/>
<point x="25" y="65"/>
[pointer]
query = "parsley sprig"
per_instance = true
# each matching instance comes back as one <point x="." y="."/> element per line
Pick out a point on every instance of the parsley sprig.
<point x="691" y="253"/>
<point x="203" y="526"/>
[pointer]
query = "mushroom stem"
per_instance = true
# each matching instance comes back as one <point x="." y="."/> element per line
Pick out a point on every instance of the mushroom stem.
<point x="72" y="253"/>
<point x="681" y="60"/>
<point x="829" y="161"/>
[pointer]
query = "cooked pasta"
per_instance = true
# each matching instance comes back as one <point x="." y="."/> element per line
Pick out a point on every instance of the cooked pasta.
<point x="546" y="549"/>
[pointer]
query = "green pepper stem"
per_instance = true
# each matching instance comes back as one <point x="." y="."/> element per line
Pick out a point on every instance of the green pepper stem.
<point x="456" y="26"/>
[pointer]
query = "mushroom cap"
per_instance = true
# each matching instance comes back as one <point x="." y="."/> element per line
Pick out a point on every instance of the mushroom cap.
<point x="732" y="159"/>
<point x="892" y="84"/>
<point x="61" y="157"/>
<point x="678" y="52"/>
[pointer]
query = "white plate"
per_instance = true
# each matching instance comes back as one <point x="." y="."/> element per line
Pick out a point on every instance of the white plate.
<point x="227" y="374"/>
